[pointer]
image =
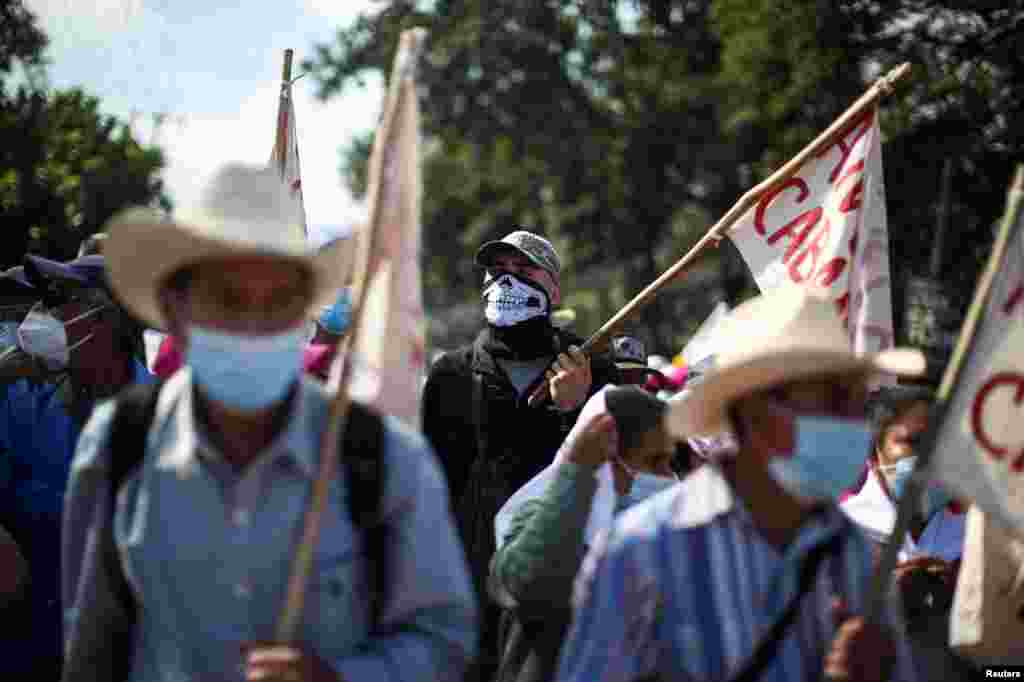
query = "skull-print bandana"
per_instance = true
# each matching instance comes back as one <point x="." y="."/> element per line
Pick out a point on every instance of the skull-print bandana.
<point x="509" y="300"/>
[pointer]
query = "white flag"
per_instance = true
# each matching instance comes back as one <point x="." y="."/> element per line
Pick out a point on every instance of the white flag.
<point x="389" y="349"/>
<point x="825" y="229"/>
<point x="979" y="452"/>
<point x="285" y="154"/>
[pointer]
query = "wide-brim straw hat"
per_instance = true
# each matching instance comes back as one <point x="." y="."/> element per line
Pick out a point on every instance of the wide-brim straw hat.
<point x="781" y="336"/>
<point x="244" y="211"/>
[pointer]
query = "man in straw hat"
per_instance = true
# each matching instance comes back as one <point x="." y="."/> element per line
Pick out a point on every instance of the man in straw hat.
<point x="748" y="569"/>
<point x="207" y="520"/>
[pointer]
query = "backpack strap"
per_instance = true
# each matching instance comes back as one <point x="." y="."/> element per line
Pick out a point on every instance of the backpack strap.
<point x="362" y="455"/>
<point x="768" y="647"/>
<point x="136" y="407"/>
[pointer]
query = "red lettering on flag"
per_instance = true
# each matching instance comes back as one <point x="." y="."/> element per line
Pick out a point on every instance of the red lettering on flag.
<point x="859" y="130"/>
<point x="995" y="450"/>
<point x="762" y="206"/>
<point x="1013" y="299"/>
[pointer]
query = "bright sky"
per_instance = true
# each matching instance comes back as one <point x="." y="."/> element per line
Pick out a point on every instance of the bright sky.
<point x="214" y="67"/>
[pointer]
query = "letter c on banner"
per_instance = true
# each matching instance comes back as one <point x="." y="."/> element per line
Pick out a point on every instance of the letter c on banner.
<point x="998" y="380"/>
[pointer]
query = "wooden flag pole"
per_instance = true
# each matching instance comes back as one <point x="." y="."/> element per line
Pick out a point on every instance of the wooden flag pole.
<point x="281" y="140"/>
<point x="409" y="46"/>
<point x="916" y="485"/>
<point x="882" y="86"/>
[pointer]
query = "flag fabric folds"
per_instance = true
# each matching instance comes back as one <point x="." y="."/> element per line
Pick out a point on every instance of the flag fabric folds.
<point x="825" y="229"/>
<point x="388" y="349"/>
<point x="285" y="154"/>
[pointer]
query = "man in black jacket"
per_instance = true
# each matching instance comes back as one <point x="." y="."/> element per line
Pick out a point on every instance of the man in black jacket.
<point x="475" y="402"/>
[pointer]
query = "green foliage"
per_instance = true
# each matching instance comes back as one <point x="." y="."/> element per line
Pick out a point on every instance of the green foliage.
<point x="622" y="130"/>
<point x="65" y="168"/>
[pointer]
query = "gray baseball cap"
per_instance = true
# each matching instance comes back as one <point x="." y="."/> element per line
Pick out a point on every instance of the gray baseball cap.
<point x="539" y="250"/>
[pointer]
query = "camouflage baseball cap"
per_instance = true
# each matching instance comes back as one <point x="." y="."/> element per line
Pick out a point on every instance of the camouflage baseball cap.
<point x="539" y="250"/>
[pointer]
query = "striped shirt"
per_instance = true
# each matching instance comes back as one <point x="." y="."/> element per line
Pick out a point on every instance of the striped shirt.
<point x="685" y="587"/>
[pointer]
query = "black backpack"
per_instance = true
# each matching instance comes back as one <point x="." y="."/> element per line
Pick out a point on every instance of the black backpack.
<point x="361" y="455"/>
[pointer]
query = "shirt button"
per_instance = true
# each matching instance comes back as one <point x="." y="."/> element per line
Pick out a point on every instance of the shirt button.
<point x="240" y="517"/>
<point x="243" y="590"/>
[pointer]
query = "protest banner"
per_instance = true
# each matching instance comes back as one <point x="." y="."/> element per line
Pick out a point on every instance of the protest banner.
<point x="974" y="443"/>
<point x="381" y="266"/>
<point x="387" y="351"/>
<point x="824" y="229"/>
<point x="979" y="447"/>
<point x="831" y="137"/>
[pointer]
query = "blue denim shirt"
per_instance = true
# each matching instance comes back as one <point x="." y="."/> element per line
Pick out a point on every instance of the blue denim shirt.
<point x="37" y="442"/>
<point x="207" y="549"/>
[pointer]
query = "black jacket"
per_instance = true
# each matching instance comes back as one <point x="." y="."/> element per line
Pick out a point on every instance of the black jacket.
<point x="516" y="441"/>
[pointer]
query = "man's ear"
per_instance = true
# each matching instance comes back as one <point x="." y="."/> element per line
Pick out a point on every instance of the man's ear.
<point x="556" y="295"/>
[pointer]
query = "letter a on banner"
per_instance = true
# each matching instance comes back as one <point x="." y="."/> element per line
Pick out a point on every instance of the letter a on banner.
<point x="825" y="229"/>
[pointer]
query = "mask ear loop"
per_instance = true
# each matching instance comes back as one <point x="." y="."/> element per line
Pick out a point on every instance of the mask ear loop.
<point x="87" y="314"/>
<point x="80" y="341"/>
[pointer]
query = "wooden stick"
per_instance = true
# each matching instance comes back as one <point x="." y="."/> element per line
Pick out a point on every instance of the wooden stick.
<point x="281" y="139"/>
<point x="917" y="483"/>
<point x="401" y="85"/>
<point x="881" y="87"/>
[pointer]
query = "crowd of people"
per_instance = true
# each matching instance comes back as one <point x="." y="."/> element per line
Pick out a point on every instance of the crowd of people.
<point x="635" y="522"/>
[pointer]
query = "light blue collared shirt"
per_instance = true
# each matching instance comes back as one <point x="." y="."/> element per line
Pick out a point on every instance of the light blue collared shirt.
<point x="685" y="587"/>
<point x="206" y="550"/>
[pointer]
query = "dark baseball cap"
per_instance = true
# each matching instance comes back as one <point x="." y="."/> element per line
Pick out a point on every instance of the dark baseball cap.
<point x="634" y="409"/>
<point x="534" y="247"/>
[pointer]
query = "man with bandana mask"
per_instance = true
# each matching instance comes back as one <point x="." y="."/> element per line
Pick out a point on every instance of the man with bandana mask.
<point x="192" y="563"/>
<point x="83" y="349"/>
<point x="475" y="401"/>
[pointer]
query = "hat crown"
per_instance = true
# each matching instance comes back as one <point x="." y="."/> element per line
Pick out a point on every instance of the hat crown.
<point x="537" y="246"/>
<point x="784" y="319"/>
<point x="629" y="348"/>
<point x="250" y="206"/>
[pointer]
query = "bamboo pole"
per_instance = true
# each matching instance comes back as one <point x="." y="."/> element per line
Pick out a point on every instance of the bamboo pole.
<point x="410" y="44"/>
<point x="882" y="86"/>
<point x="918" y="482"/>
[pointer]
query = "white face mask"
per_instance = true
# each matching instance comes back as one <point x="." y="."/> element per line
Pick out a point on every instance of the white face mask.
<point x="8" y="334"/>
<point x="509" y="300"/>
<point x="43" y="336"/>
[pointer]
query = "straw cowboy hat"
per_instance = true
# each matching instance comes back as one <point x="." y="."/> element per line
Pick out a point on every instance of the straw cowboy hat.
<point x="782" y="335"/>
<point x="244" y="210"/>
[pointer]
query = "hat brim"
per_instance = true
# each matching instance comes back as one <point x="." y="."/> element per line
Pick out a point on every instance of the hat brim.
<point x="142" y="251"/>
<point x="14" y="284"/>
<point x="487" y="254"/>
<point x="86" y="270"/>
<point x="630" y="364"/>
<point x="705" y="411"/>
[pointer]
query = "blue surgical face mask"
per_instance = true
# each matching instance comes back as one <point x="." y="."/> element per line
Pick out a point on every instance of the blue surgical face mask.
<point x="246" y="373"/>
<point x="829" y="455"/>
<point x="337" y="318"/>
<point x="896" y="475"/>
